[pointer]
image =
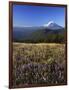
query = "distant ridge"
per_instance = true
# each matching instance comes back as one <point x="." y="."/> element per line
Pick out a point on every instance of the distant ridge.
<point x="50" y="32"/>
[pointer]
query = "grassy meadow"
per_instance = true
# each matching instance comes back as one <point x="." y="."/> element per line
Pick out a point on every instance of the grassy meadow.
<point x="42" y="63"/>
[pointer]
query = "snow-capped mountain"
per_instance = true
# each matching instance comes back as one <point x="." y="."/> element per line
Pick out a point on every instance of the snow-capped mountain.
<point x="52" y="25"/>
<point x="45" y="33"/>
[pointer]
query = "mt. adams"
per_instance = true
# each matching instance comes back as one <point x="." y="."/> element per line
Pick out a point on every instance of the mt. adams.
<point x="53" y="26"/>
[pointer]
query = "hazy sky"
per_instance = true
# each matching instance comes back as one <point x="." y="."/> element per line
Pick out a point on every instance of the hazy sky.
<point x="27" y="15"/>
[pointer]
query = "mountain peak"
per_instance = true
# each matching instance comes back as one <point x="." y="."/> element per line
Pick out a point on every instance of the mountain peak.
<point x="49" y="23"/>
<point x="52" y="25"/>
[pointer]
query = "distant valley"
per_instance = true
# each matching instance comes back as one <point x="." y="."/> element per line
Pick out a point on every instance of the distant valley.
<point x="49" y="33"/>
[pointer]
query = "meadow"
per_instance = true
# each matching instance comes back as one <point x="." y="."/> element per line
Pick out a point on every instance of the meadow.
<point x="42" y="63"/>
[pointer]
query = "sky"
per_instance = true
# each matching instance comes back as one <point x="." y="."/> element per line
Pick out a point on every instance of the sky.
<point x="28" y="15"/>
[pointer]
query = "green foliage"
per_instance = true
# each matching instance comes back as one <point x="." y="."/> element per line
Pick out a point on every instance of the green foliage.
<point x="44" y="36"/>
